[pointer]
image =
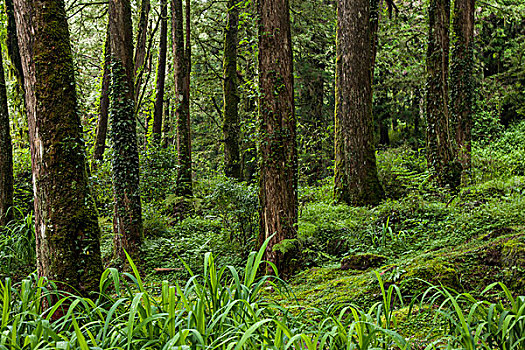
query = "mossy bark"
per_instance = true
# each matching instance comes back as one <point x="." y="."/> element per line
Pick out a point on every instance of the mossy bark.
<point x="356" y="181"/>
<point x="127" y="225"/>
<point x="278" y="154"/>
<point x="440" y="142"/>
<point x="462" y="79"/>
<point x="231" y="126"/>
<point x="13" y="49"/>
<point x="66" y="225"/>
<point x="182" y="70"/>
<point x="161" y="72"/>
<point x="102" y="123"/>
<point x="6" y="155"/>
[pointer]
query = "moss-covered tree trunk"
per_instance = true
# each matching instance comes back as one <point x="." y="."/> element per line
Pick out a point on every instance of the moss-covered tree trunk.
<point x="66" y="225"/>
<point x="440" y="149"/>
<point x="161" y="72"/>
<point x="6" y="155"/>
<point x="278" y="155"/>
<point x="102" y="123"/>
<point x="12" y="42"/>
<point x="231" y="126"/>
<point x="462" y="79"/>
<point x="140" y="49"/>
<point x="127" y="225"/>
<point x="356" y="180"/>
<point x="182" y="70"/>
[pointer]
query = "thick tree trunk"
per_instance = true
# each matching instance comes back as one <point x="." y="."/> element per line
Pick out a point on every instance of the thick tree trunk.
<point x="127" y="224"/>
<point x="182" y="68"/>
<point x="161" y="73"/>
<point x="6" y="155"/>
<point x="66" y="225"/>
<point x="356" y="180"/>
<point x="140" y="50"/>
<point x="440" y="151"/>
<point x="102" y="123"/>
<point x="462" y="79"/>
<point x="278" y="174"/>
<point x="231" y="126"/>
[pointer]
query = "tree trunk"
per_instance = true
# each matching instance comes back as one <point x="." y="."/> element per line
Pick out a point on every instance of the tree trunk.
<point x="161" y="73"/>
<point x="356" y="180"/>
<point x="66" y="225"/>
<point x="13" y="49"/>
<point x="102" y="124"/>
<point x="127" y="225"/>
<point x="140" y="50"/>
<point x="231" y="127"/>
<point x="182" y="68"/>
<point x="6" y="155"/>
<point x="440" y="152"/>
<point x="462" y="79"/>
<point x="278" y="174"/>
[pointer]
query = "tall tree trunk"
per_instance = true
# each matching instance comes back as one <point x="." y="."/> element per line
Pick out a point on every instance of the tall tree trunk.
<point x="356" y="180"/>
<point x="6" y="155"/>
<point x="66" y="225"/>
<point x="127" y="224"/>
<point x="278" y="175"/>
<point x="462" y="79"/>
<point x="12" y="43"/>
<point x="161" y="73"/>
<point x="182" y="68"/>
<point x="140" y="50"/>
<point x="231" y="127"/>
<point x="102" y="123"/>
<point x="440" y="151"/>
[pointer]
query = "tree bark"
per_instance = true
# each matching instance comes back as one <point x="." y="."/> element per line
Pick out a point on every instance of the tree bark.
<point x="140" y="50"/>
<point x="13" y="49"/>
<point x="278" y="154"/>
<point x="440" y="151"/>
<point x="66" y="225"/>
<point x="462" y="79"/>
<point x="356" y="181"/>
<point x="127" y="226"/>
<point x="182" y="69"/>
<point x="102" y="123"/>
<point x="161" y="73"/>
<point x="231" y="126"/>
<point x="6" y="155"/>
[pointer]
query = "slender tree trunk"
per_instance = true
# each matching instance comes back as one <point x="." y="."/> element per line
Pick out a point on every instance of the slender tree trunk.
<point x="356" y="180"/>
<point x="231" y="127"/>
<point x="167" y="128"/>
<point x="66" y="225"/>
<point x="12" y="43"/>
<point x="462" y="79"/>
<point x="278" y="174"/>
<point x="182" y="68"/>
<point x="161" y="73"/>
<point x="140" y="50"/>
<point x="102" y="124"/>
<point x="6" y="155"/>
<point x="440" y="151"/>
<point x="127" y="225"/>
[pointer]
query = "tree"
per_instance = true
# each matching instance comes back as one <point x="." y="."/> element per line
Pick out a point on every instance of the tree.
<point x="356" y="180"/>
<point x="140" y="50"/>
<point x="6" y="155"/>
<point x="66" y="225"/>
<point x="231" y="127"/>
<point x="182" y="69"/>
<point x="278" y="155"/>
<point x="440" y="151"/>
<point x="161" y="72"/>
<point x="127" y="225"/>
<point x="102" y="123"/>
<point x="462" y="79"/>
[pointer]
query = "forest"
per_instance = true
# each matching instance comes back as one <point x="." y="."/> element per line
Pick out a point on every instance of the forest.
<point x="262" y="174"/>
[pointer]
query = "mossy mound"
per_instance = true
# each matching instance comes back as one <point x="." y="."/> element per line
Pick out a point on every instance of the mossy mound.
<point x="362" y="261"/>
